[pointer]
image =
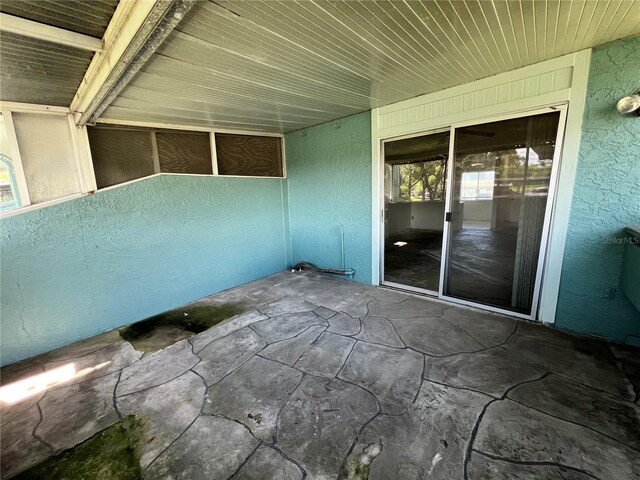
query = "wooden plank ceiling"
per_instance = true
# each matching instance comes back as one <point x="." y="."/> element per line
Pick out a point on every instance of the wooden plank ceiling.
<point x="279" y="66"/>
<point x="35" y="71"/>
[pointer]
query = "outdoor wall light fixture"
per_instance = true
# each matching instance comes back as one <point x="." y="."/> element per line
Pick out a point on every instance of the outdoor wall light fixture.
<point x="630" y="104"/>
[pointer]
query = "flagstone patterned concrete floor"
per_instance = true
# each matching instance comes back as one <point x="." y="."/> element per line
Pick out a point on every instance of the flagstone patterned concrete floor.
<point x="324" y="378"/>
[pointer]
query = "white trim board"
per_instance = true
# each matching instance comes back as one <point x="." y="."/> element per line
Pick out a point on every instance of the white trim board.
<point x="33" y="108"/>
<point x="557" y="81"/>
<point x="564" y="191"/>
<point x="48" y="33"/>
<point x="128" y="19"/>
<point x="109" y="122"/>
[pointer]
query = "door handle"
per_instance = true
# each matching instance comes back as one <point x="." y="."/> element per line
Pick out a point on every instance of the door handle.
<point x="447" y="216"/>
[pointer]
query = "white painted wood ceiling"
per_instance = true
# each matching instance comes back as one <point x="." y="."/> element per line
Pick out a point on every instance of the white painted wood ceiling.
<point x="280" y="66"/>
<point x="37" y="71"/>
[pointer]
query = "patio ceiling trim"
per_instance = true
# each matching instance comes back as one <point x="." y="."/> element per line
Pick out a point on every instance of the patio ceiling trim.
<point x="29" y="28"/>
<point x="136" y="30"/>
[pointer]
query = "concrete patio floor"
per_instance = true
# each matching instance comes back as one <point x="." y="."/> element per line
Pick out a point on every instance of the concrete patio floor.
<point x="323" y="378"/>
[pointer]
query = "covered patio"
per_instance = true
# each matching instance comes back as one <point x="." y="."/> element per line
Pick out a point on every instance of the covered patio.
<point x="324" y="378"/>
<point x="320" y="239"/>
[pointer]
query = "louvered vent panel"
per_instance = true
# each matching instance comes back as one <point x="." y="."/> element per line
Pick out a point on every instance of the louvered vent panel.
<point x="120" y="155"/>
<point x="247" y="155"/>
<point x="184" y="152"/>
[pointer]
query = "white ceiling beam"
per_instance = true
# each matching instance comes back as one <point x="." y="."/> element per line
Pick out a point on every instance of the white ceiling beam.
<point x="127" y="21"/>
<point x="32" y="108"/>
<point x="29" y="28"/>
<point x="135" y="31"/>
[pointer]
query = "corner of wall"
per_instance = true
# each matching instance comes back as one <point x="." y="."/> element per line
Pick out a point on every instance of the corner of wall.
<point x="329" y="189"/>
<point x="605" y="199"/>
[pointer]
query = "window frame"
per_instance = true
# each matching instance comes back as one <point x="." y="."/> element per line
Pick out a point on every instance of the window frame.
<point x="18" y="170"/>
<point x="13" y="184"/>
<point x="477" y="195"/>
<point x="82" y="165"/>
<point x="83" y="161"/>
<point x="212" y="141"/>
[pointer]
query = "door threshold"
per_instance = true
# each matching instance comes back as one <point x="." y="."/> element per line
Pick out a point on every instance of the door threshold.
<point x="454" y="302"/>
<point x="408" y="288"/>
<point x="488" y="308"/>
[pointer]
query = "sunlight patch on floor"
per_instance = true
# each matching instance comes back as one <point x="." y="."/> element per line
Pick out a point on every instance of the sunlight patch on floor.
<point x="23" y="389"/>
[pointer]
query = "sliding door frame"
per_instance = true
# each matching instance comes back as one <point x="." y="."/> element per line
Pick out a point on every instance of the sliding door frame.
<point x="383" y="240"/>
<point x="549" y="208"/>
<point x="562" y="108"/>
<point x="551" y="82"/>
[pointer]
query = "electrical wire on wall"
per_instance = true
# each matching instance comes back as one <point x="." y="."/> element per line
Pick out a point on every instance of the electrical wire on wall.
<point x="350" y="272"/>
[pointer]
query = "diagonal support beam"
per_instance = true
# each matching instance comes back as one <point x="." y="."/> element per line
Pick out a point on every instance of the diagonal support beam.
<point x="135" y="32"/>
<point x="29" y="28"/>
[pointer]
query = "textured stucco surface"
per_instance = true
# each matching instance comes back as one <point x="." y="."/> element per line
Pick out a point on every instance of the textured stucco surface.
<point x="605" y="200"/>
<point x="75" y="269"/>
<point x="329" y="170"/>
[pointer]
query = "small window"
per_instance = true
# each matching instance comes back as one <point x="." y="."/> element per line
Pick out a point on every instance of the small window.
<point x="477" y="185"/>
<point x="249" y="155"/>
<point x="120" y="155"/>
<point x="9" y="197"/>
<point x="180" y="152"/>
<point x="123" y="154"/>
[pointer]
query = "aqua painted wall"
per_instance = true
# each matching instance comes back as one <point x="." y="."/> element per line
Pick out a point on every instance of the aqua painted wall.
<point x="75" y="269"/>
<point x="329" y="187"/>
<point x="605" y="200"/>
<point x="85" y="266"/>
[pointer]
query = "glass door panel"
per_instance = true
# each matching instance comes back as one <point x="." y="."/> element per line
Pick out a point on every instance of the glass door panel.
<point x="500" y="184"/>
<point x="414" y="202"/>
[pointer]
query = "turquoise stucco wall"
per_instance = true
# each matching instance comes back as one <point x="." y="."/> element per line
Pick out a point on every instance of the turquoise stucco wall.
<point x="75" y="269"/>
<point x="605" y="200"/>
<point x="329" y="187"/>
<point x="84" y="266"/>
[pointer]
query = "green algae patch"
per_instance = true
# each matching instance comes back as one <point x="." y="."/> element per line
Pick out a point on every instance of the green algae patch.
<point x="164" y="329"/>
<point x="355" y="471"/>
<point x="111" y="454"/>
<point x="358" y="464"/>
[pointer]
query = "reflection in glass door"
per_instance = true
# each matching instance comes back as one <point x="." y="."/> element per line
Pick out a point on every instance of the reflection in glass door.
<point x="501" y="179"/>
<point x="415" y="178"/>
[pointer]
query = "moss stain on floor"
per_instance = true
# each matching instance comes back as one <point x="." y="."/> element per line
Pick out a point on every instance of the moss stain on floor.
<point x="164" y="329"/>
<point x="111" y="454"/>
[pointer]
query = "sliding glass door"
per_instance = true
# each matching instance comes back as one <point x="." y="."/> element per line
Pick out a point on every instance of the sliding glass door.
<point x="499" y="202"/>
<point x="415" y="174"/>
<point x="467" y="210"/>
